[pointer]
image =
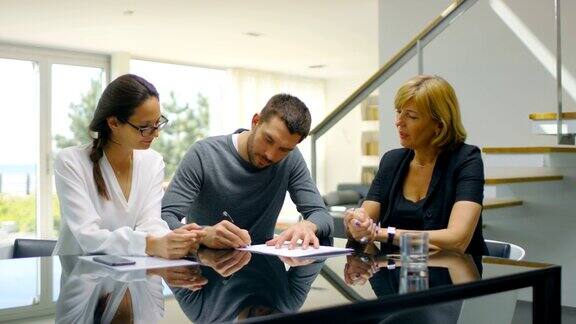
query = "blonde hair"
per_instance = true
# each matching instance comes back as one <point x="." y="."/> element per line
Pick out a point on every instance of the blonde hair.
<point x="437" y="97"/>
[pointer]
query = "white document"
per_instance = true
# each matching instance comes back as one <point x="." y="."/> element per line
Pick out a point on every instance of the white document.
<point x="144" y="262"/>
<point x="297" y="252"/>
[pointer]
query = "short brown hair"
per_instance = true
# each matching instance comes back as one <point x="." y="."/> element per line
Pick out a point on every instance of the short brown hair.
<point x="291" y="110"/>
<point x="436" y="96"/>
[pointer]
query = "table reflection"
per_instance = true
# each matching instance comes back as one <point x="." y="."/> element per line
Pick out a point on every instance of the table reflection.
<point x="383" y="269"/>
<point x="244" y="285"/>
<point x="93" y="293"/>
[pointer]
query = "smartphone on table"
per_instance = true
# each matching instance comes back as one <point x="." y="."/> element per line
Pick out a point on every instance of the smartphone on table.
<point x="113" y="260"/>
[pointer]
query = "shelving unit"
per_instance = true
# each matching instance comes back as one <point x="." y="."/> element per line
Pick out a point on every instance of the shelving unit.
<point x="370" y="128"/>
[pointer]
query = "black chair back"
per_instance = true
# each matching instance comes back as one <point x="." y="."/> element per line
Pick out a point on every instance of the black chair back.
<point x="27" y="248"/>
<point x="498" y="249"/>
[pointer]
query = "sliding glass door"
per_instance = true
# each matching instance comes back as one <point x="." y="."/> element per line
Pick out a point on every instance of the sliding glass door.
<point x="19" y="146"/>
<point x="47" y="98"/>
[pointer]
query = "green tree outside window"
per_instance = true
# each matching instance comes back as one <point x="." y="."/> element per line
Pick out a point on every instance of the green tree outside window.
<point x="187" y="125"/>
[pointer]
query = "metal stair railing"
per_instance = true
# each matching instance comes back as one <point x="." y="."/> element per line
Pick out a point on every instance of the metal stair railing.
<point x="568" y="139"/>
<point x="414" y="47"/>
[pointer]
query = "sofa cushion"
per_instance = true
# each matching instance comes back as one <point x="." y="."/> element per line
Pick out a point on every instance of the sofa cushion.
<point x="343" y="197"/>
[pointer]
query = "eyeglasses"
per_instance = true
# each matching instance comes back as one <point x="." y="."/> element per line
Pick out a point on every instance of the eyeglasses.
<point x="149" y="130"/>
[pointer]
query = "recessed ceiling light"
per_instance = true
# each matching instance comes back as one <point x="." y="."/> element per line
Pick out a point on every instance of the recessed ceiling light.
<point x="128" y="12"/>
<point x="317" y="66"/>
<point x="253" y="34"/>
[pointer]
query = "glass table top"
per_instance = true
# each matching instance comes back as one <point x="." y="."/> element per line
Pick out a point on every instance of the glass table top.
<point x="235" y="285"/>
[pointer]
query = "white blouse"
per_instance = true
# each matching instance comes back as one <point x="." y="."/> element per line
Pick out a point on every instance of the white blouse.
<point x="91" y="224"/>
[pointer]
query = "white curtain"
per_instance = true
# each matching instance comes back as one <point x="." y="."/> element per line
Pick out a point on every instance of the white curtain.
<point x="247" y="92"/>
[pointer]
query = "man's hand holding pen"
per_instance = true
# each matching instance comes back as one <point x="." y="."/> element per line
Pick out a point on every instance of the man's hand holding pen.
<point x="225" y="235"/>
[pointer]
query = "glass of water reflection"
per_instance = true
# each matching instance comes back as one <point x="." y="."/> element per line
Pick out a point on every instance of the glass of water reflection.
<point x="413" y="280"/>
<point x="414" y="250"/>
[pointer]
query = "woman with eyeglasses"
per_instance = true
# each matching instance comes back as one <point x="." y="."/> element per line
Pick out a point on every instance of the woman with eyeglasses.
<point x="110" y="190"/>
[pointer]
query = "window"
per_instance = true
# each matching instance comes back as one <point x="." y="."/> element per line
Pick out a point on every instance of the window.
<point x="19" y="145"/>
<point x="43" y="91"/>
<point x="191" y="98"/>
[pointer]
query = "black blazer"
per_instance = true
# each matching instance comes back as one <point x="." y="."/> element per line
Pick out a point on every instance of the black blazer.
<point x="458" y="175"/>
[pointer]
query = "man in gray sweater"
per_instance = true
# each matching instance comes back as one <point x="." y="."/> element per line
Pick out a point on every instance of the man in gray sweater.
<point x="235" y="184"/>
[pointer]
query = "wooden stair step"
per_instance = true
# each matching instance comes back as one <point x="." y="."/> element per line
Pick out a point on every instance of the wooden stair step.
<point x="505" y="180"/>
<point x="552" y="115"/>
<point x="529" y="150"/>
<point x="494" y="203"/>
<point x="495" y="176"/>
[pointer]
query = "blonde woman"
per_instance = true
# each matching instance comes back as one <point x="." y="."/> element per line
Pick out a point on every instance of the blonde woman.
<point x="434" y="183"/>
<point x="110" y="190"/>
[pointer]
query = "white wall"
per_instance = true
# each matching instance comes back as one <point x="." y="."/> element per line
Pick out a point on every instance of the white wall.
<point x="498" y="80"/>
<point x="399" y="21"/>
<point x="342" y="142"/>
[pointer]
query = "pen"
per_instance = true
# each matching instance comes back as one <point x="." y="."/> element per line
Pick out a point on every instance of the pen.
<point x="227" y="216"/>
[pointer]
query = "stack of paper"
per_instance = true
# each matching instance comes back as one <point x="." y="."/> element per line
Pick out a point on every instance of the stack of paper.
<point x="297" y="252"/>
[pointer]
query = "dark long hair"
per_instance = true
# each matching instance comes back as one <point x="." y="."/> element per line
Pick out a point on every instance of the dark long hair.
<point x="119" y="99"/>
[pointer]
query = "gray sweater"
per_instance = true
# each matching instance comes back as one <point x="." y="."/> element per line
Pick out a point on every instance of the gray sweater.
<point x="213" y="178"/>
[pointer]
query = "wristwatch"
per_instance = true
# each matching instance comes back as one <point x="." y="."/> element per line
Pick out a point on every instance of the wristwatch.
<point x="391" y="264"/>
<point x="391" y="231"/>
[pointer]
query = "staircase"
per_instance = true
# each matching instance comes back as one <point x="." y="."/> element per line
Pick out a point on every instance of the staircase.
<point x="546" y="124"/>
<point x="540" y="185"/>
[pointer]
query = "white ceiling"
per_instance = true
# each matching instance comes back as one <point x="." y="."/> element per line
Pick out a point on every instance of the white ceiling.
<point x="341" y="34"/>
